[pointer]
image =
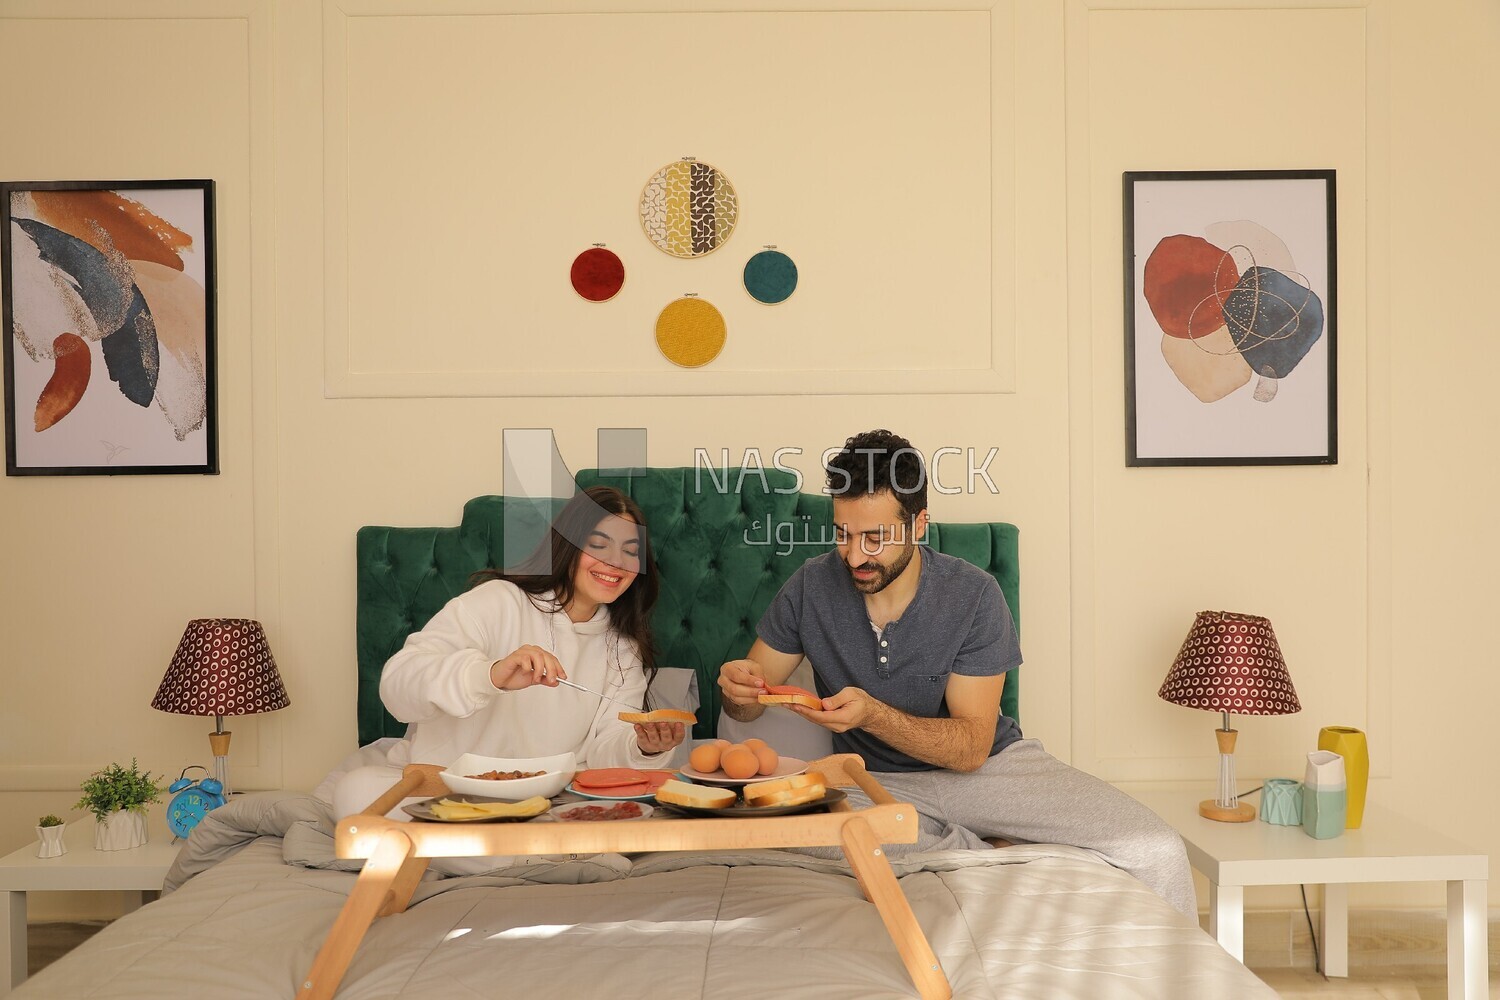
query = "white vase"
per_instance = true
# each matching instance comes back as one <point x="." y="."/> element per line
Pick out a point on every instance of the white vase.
<point x="1325" y="771"/>
<point x="120" y="831"/>
<point x="1325" y="801"/>
<point x="51" y="845"/>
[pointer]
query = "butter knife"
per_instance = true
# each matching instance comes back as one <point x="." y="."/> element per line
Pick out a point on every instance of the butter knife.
<point x="596" y="694"/>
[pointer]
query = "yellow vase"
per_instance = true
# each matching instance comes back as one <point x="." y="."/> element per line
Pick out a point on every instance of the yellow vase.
<point x="1349" y="743"/>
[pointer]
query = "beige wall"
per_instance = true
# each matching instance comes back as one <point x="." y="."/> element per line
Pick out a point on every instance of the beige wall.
<point x="364" y="378"/>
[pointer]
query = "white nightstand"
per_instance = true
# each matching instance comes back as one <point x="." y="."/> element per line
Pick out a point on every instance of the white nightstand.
<point x="137" y="871"/>
<point x="1386" y="848"/>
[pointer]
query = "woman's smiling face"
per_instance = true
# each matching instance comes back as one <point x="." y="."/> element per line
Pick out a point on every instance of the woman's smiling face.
<point x="609" y="560"/>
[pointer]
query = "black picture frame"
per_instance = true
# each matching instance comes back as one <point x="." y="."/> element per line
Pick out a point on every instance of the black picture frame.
<point x="1207" y="393"/>
<point x="118" y="276"/>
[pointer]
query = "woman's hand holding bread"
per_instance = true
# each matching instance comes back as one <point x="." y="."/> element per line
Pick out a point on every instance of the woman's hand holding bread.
<point x="660" y="730"/>
<point x="658" y="737"/>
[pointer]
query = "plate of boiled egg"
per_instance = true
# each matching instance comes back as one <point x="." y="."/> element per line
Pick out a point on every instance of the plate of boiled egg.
<point x="720" y="762"/>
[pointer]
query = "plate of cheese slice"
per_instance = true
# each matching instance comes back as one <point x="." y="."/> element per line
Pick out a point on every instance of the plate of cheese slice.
<point x="477" y="809"/>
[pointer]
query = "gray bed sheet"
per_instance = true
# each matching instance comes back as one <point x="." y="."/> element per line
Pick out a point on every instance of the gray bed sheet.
<point x="256" y="889"/>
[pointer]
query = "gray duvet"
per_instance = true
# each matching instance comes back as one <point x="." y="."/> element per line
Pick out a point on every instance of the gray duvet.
<point x="256" y="888"/>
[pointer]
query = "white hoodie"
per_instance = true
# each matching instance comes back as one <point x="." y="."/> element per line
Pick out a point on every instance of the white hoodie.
<point x="440" y="683"/>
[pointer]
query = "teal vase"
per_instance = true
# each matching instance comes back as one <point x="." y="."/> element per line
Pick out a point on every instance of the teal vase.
<point x="1281" y="802"/>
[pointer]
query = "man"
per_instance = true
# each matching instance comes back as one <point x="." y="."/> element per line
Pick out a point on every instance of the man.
<point x="909" y="649"/>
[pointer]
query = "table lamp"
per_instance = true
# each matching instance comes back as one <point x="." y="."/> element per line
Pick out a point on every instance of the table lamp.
<point x="222" y="666"/>
<point x="1230" y="663"/>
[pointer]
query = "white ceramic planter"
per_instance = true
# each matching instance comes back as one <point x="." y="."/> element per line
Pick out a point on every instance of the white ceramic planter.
<point x="120" y="831"/>
<point x="51" y="845"/>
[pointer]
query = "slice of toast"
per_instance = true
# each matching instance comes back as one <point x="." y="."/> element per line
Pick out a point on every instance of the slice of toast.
<point x="681" y="793"/>
<point x="786" y="694"/>
<point x="765" y="790"/>
<point x="660" y="715"/>
<point x="796" y="797"/>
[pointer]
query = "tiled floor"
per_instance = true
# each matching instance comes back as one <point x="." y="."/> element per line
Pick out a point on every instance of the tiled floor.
<point x="1393" y="955"/>
<point x="1419" y="982"/>
<point x="48" y="942"/>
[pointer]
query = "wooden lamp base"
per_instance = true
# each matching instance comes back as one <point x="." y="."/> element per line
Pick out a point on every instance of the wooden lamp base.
<point x="1242" y="813"/>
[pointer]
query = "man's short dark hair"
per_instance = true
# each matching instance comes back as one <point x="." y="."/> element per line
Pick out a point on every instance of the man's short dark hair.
<point x="880" y="462"/>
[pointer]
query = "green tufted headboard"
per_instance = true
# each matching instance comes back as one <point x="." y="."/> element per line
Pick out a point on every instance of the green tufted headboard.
<point x="714" y="583"/>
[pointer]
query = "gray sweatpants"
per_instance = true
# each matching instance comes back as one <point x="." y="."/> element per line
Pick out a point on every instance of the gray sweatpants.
<point x="1025" y="795"/>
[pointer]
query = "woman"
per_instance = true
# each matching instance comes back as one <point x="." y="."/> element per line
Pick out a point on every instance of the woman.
<point x="482" y="675"/>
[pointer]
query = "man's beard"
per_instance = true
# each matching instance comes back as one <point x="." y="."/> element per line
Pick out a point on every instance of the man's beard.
<point x="884" y="575"/>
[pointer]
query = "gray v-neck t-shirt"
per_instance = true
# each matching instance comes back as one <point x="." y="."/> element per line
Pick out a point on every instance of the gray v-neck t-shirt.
<point x="957" y="623"/>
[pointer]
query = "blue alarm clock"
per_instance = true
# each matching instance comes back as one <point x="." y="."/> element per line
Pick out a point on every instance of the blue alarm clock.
<point x="191" y="801"/>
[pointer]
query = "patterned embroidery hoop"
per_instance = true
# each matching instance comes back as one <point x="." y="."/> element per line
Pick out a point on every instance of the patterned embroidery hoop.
<point x="689" y="209"/>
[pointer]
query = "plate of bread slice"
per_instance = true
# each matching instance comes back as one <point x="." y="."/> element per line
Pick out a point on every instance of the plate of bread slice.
<point x="795" y="793"/>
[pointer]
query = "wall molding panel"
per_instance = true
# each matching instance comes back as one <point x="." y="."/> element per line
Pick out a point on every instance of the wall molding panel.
<point x="873" y="144"/>
<point x="1128" y="109"/>
<point x="200" y="73"/>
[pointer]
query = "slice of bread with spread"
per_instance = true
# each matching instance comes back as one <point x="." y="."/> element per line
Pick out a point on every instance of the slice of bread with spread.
<point x="660" y="715"/>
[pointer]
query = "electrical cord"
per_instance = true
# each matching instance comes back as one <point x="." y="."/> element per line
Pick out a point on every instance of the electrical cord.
<point x="1307" y="912"/>
<point x="1317" y="962"/>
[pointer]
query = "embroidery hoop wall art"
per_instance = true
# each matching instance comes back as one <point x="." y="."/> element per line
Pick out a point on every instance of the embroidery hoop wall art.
<point x="688" y="209"/>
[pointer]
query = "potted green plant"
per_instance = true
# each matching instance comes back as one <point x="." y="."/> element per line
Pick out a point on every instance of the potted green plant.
<point x="49" y="830"/>
<point x="118" y="796"/>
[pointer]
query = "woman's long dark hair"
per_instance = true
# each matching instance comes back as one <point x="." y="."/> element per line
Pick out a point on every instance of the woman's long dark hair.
<point x="552" y="566"/>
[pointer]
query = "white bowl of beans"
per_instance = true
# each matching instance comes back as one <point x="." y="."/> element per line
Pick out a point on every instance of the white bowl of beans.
<point x="513" y="778"/>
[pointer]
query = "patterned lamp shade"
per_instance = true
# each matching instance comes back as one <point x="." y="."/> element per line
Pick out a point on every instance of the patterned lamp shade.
<point x="1231" y="663"/>
<point x="223" y="666"/>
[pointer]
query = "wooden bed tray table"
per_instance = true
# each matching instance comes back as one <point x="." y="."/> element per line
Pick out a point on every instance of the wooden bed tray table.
<point x="397" y="855"/>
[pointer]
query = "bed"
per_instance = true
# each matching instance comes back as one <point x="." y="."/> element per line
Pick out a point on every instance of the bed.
<point x="259" y="884"/>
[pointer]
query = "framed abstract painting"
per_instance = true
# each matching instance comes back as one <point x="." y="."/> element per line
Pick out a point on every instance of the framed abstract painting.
<point x="107" y="303"/>
<point x="1230" y="318"/>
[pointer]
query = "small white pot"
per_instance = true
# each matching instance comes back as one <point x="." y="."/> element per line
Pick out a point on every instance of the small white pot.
<point x="120" y="831"/>
<point x="51" y="845"/>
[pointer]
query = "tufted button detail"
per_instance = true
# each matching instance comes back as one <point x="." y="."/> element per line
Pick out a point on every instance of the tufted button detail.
<point x="687" y="626"/>
<point x="744" y="623"/>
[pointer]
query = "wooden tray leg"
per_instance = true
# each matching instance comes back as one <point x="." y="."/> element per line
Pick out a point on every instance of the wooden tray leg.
<point x="384" y="885"/>
<point x="403" y="885"/>
<point x="880" y="887"/>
